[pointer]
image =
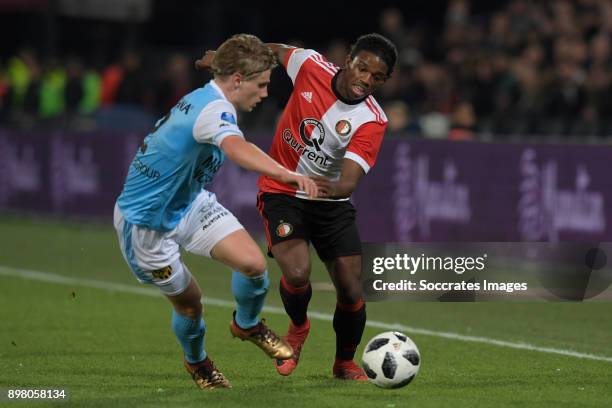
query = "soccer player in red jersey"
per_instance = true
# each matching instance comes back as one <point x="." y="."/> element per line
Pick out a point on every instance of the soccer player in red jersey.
<point x="331" y="130"/>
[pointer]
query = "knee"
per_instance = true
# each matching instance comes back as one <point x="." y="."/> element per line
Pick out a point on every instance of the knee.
<point x="252" y="265"/>
<point x="189" y="303"/>
<point x="192" y="311"/>
<point x="297" y="275"/>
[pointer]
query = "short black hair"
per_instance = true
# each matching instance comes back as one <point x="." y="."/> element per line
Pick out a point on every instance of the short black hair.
<point x="378" y="45"/>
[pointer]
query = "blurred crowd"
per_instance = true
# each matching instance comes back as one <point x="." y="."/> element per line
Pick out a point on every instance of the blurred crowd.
<point x="531" y="68"/>
<point x="127" y="94"/>
<point x="539" y="68"/>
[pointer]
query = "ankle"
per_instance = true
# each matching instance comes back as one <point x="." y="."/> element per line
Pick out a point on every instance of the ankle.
<point x="204" y="363"/>
<point x="301" y="327"/>
<point x="246" y="329"/>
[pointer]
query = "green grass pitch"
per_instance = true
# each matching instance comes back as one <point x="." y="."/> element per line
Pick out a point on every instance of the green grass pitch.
<point x="85" y="325"/>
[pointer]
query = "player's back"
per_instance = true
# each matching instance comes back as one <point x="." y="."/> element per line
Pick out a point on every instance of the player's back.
<point x="170" y="167"/>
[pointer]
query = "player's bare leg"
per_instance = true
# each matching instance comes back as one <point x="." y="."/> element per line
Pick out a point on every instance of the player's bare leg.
<point x="189" y="328"/>
<point x="349" y="317"/>
<point x="249" y="286"/>
<point x="293" y="257"/>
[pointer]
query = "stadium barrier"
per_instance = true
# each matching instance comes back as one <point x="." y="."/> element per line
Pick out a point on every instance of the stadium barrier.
<point x="419" y="190"/>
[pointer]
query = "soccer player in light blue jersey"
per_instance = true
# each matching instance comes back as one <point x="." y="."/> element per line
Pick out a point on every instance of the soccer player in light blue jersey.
<point x="164" y="206"/>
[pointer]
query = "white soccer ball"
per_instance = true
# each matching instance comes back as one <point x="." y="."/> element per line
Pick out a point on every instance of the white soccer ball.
<point x="391" y="360"/>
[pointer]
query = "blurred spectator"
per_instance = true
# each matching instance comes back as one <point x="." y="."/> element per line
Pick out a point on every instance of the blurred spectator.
<point x="131" y="87"/>
<point x="336" y="52"/>
<point x="463" y="122"/>
<point x="19" y="75"/>
<point x="121" y="82"/>
<point x="566" y="96"/>
<point x="458" y="12"/>
<point x="92" y="92"/>
<point x="26" y="102"/>
<point x="111" y="78"/>
<point x="176" y="80"/>
<point x="434" y="125"/>
<point x="400" y="120"/>
<point x="392" y="26"/>
<point x="482" y="89"/>
<point x="51" y="97"/>
<point x="599" y="51"/>
<point x="439" y="89"/>
<point x="73" y="93"/>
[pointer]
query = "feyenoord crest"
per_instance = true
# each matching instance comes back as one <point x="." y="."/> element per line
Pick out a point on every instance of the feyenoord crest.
<point x="343" y="127"/>
<point x="284" y="229"/>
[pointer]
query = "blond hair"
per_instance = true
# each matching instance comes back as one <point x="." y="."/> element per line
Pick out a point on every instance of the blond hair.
<point x="244" y="54"/>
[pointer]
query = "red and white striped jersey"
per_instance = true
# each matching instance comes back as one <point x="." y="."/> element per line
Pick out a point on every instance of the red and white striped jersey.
<point x="317" y="130"/>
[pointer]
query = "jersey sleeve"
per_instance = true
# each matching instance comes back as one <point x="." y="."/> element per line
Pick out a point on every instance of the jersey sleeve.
<point x="365" y="144"/>
<point x="295" y="60"/>
<point x="215" y="122"/>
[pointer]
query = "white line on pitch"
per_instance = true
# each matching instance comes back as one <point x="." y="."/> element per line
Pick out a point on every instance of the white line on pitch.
<point x="149" y="291"/>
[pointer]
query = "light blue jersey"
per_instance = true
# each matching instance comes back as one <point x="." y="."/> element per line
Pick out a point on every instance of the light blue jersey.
<point x="178" y="159"/>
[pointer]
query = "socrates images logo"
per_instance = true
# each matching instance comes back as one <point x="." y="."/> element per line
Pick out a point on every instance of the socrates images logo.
<point x="284" y="229"/>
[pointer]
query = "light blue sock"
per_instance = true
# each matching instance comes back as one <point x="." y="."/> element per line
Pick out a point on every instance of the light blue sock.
<point x="250" y="293"/>
<point x="190" y="335"/>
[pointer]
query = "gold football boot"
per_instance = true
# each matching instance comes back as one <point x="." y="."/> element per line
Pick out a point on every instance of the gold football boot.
<point x="206" y="375"/>
<point x="264" y="338"/>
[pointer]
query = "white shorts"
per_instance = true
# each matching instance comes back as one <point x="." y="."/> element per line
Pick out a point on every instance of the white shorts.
<point x="154" y="256"/>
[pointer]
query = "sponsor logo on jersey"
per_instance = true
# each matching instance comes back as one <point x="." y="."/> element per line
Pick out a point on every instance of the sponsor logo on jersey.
<point x="305" y="151"/>
<point x="163" y="273"/>
<point x="343" y="127"/>
<point x="307" y="96"/>
<point x="145" y="170"/>
<point x="284" y="229"/>
<point x="206" y="170"/>
<point x="228" y="117"/>
<point x="312" y="133"/>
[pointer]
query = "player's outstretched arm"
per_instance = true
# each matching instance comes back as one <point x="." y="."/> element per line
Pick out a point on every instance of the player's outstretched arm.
<point x="280" y="50"/>
<point x="345" y="185"/>
<point x="251" y="157"/>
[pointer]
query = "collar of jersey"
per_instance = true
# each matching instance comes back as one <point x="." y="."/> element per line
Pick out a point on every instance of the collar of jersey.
<point x="340" y="97"/>
<point x="217" y="88"/>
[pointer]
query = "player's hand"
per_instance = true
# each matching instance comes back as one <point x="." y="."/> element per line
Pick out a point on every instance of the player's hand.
<point x="206" y="61"/>
<point x="327" y="188"/>
<point x="303" y="183"/>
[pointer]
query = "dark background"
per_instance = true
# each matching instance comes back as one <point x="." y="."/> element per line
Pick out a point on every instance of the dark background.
<point x="196" y="25"/>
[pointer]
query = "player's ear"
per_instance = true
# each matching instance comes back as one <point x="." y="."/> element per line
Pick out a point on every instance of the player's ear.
<point x="347" y="62"/>
<point x="236" y="79"/>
